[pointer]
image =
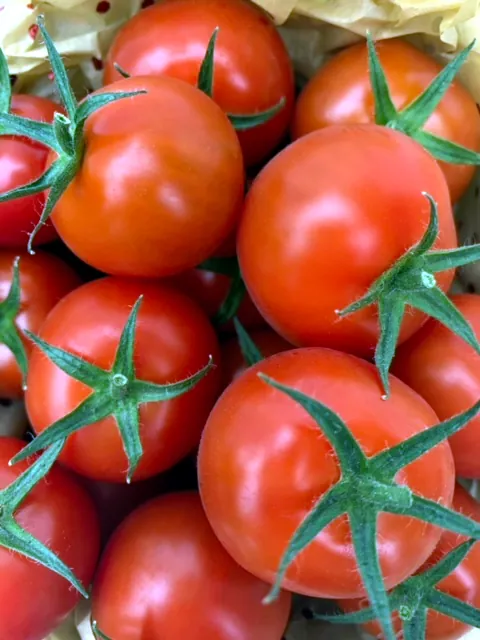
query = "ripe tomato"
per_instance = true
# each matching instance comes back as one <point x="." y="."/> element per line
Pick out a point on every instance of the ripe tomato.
<point x="210" y="289"/>
<point x="325" y="218"/>
<point x="263" y="463"/>
<point x="165" y="576"/>
<point x="446" y="372"/>
<point x="463" y="583"/>
<point x="161" y="182"/>
<point x="21" y="162"/>
<point x="252" y="72"/>
<point x="44" y="280"/>
<point x="233" y="362"/>
<point x="341" y="93"/>
<point x="59" y="513"/>
<point x="173" y="341"/>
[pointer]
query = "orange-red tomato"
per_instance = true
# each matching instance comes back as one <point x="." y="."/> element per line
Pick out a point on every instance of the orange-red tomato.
<point x="60" y="514"/>
<point x="161" y="182"/>
<point x="23" y="161"/>
<point x="173" y="340"/>
<point x="264" y="462"/>
<point x="252" y="72"/>
<point x="463" y="583"/>
<point x="44" y="280"/>
<point x="326" y="218"/>
<point x="341" y="93"/>
<point x="233" y="363"/>
<point x="165" y="576"/>
<point x="210" y="289"/>
<point x="446" y="372"/>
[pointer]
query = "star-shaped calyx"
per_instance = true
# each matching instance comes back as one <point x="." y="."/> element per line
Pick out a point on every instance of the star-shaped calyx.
<point x="116" y="392"/>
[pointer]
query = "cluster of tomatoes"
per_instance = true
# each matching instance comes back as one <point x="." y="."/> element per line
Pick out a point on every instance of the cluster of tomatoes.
<point x="206" y="373"/>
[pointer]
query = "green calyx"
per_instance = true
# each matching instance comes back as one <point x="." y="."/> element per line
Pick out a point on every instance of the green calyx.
<point x="414" y="116"/>
<point x="227" y="267"/>
<point x="65" y="136"/>
<point x="250" y="352"/>
<point x="411" y="283"/>
<point x="116" y="392"/>
<point x="97" y="632"/>
<point x="366" y="488"/>
<point x="13" y="537"/>
<point x="240" y="122"/>
<point x="412" y="599"/>
<point x="9" y="333"/>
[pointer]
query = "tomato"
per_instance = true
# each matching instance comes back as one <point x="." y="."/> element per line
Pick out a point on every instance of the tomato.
<point x="116" y="501"/>
<point x="165" y="576"/>
<point x="327" y="217"/>
<point x="59" y="513"/>
<point x="210" y="289"/>
<point x="161" y="182"/>
<point x="341" y="93"/>
<point x="21" y="162"/>
<point x="252" y="71"/>
<point x="446" y="372"/>
<point x="44" y="280"/>
<point x="263" y="463"/>
<point x="173" y="341"/>
<point x="233" y="362"/>
<point x="463" y="583"/>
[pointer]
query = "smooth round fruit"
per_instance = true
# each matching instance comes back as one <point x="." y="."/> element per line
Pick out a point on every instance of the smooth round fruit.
<point x="326" y="218"/>
<point x="264" y="463"/>
<point x="252" y="71"/>
<point x="174" y="340"/>
<point x="463" y="583"/>
<point x="60" y="514"/>
<point x="161" y="182"/>
<point x="44" y="280"/>
<point x="445" y="370"/>
<point x="341" y="93"/>
<point x="23" y="161"/>
<point x="165" y="576"/>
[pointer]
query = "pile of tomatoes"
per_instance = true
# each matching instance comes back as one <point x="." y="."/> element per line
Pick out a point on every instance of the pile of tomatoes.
<point x="206" y="277"/>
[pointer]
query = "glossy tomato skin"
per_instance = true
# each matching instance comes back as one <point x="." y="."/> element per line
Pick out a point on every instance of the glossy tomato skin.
<point x="233" y="363"/>
<point x="44" y="280"/>
<point x="463" y="583"/>
<point x="21" y="162"/>
<point x="165" y="576"/>
<point x="61" y="515"/>
<point x="340" y="93"/>
<point x="209" y="290"/>
<point x="161" y="183"/>
<point x="173" y="341"/>
<point x="445" y="371"/>
<point x="253" y="71"/>
<point x="263" y="463"/>
<point x="325" y="218"/>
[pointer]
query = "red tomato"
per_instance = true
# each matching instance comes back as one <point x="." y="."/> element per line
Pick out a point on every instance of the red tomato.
<point x="21" y="162"/>
<point x="252" y="73"/>
<point x="161" y="182"/>
<point x="210" y="289"/>
<point x="264" y="462"/>
<point x="233" y="363"/>
<point x="44" y="280"/>
<point x="341" y="93"/>
<point x="173" y="341"/>
<point x="165" y="576"/>
<point x="327" y="217"/>
<point x="446" y="372"/>
<point x="463" y="583"/>
<point x="59" y="513"/>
